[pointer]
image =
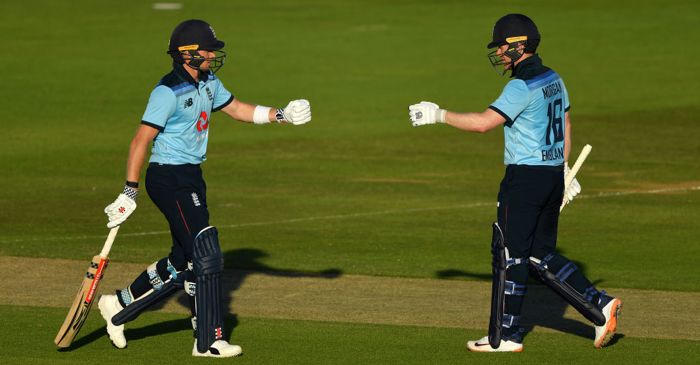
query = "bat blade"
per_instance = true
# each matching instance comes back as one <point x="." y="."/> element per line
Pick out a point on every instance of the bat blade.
<point x="82" y="303"/>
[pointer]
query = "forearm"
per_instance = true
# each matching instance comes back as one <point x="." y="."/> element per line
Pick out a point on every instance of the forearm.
<point x="567" y="138"/>
<point x="251" y="113"/>
<point x="138" y="150"/>
<point x="243" y="112"/>
<point x="474" y="122"/>
<point x="134" y="164"/>
<point x="466" y="121"/>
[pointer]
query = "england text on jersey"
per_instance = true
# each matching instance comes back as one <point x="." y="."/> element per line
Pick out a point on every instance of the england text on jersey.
<point x="556" y="153"/>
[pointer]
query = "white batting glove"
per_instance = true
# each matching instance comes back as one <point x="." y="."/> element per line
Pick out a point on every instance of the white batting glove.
<point x="426" y="112"/>
<point x="573" y="189"/>
<point x="123" y="206"/>
<point x="297" y="112"/>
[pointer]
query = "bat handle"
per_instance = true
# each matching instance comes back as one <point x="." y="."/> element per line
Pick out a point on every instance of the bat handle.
<point x="577" y="165"/>
<point x="108" y="243"/>
<point x="569" y="178"/>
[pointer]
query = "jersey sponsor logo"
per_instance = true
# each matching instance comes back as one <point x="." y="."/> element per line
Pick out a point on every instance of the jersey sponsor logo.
<point x="202" y="122"/>
<point x="209" y="95"/>
<point x="188" y="103"/>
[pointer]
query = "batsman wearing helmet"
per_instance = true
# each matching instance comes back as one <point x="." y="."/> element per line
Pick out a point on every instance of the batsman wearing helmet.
<point x="534" y="112"/>
<point x="177" y="120"/>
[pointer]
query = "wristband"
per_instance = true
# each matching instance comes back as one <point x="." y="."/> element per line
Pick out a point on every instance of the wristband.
<point x="440" y="115"/>
<point x="261" y="114"/>
<point x="130" y="192"/>
<point x="132" y="184"/>
<point x="279" y="115"/>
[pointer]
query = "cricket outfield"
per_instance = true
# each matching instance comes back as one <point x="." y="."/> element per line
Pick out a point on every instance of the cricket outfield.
<point x="355" y="238"/>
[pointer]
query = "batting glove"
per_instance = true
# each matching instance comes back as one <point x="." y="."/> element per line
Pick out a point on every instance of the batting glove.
<point x="573" y="189"/>
<point x="123" y="206"/>
<point x="297" y="112"/>
<point x="426" y="112"/>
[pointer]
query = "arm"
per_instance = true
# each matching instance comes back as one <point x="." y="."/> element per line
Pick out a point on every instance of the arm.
<point x="430" y="113"/>
<point x="244" y="112"/>
<point x="567" y="137"/>
<point x="125" y="204"/>
<point x="137" y="151"/>
<point x="475" y="122"/>
<point x="296" y="112"/>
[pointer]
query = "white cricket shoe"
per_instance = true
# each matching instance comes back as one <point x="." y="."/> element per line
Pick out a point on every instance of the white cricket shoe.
<point x="483" y="345"/>
<point x="605" y="333"/>
<point x="219" y="348"/>
<point x="109" y="306"/>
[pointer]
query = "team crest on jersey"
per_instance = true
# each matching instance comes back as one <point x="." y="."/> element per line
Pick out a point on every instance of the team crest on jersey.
<point x="188" y="103"/>
<point x="209" y="94"/>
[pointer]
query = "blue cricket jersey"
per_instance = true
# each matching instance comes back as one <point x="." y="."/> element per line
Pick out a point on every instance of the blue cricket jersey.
<point x="533" y="104"/>
<point x="180" y="109"/>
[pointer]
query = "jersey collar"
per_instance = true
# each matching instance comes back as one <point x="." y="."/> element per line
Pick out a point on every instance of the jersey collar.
<point x="529" y="68"/>
<point x="185" y="76"/>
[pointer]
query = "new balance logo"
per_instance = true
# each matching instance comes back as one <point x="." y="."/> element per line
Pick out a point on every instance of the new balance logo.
<point x="209" y="94"/>
<point x="195" y="200"/>
<point x="188" y="103"/>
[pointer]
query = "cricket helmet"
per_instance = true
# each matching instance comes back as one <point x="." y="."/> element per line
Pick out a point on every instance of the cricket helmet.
<point x="191" y="36"/>
<point x="512" y="30"/>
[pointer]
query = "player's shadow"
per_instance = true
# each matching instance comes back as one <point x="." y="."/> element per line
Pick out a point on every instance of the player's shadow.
<point x="244" y="262"/>
<point x="454" y="273"/>
<point x="240" y="264"/>
<point x="542" y="306"/>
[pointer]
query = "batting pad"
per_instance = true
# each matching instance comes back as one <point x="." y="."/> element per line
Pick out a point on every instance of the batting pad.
<point x="208" y="265"/>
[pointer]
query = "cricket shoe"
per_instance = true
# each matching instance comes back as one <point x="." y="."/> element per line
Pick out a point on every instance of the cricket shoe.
<point x="483" y="345"/>
<point x="109" y="306"/>
<point x="219" y="348"/>
<point x="611" y="311"/>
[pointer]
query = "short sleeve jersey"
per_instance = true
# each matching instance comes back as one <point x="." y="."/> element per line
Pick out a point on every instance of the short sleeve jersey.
<point x="180" y="109"/>
<point x="533" y="104"/>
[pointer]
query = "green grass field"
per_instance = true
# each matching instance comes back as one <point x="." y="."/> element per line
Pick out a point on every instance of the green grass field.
<point x="358" y="189"/>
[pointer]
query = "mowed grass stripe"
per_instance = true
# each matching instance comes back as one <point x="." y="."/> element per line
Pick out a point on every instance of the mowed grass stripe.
<point x="364" y="299"/>
<point x="684" y="187"/>
<point x="274" y="341"/>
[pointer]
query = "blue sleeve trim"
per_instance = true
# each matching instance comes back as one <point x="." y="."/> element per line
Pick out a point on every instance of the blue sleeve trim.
<point x="227" y="102"/>
<point x="508" y="122"/>
<point x="155" y="126"/>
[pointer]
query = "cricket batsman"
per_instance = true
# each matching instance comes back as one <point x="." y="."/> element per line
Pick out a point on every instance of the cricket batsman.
<point x="177" y="120"/>
<point x="534" y="112"/>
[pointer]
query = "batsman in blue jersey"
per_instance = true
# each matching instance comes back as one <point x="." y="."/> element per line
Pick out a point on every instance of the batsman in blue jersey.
<point x="177" y="120"/>
<point x="534" y="112"/>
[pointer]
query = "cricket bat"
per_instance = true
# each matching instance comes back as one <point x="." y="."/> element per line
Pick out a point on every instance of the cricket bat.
<point x="86" y="294"/>
<point x="572" y="173"/>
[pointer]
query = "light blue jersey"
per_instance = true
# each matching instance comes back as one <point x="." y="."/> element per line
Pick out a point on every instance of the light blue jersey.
<point x="180" y="109"/>
<point x="534" y="111"/>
